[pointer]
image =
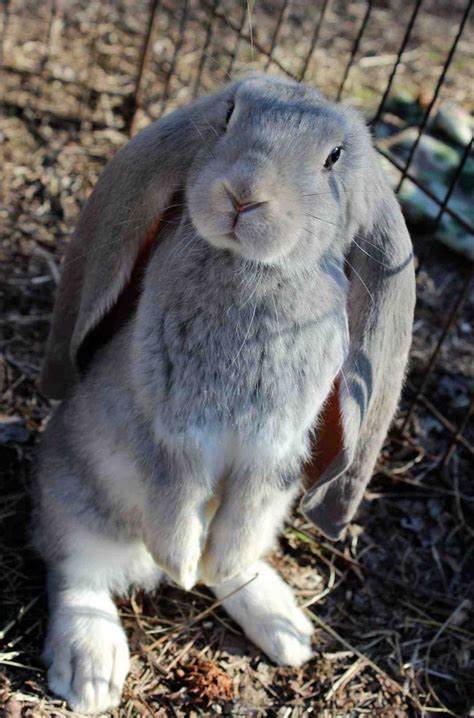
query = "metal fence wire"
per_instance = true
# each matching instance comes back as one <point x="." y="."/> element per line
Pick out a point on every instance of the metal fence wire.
<point x="59" y="62"/>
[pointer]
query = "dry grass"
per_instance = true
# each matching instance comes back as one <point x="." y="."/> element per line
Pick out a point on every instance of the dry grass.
<point x="391" y="604"/>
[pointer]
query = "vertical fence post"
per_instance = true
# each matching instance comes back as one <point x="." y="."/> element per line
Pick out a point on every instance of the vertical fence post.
<point x="133" y="103"/>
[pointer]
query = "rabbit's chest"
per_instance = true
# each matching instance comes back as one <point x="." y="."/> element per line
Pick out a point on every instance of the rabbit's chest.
<point x="249" y="371"/>
<point x="226" y="353"/>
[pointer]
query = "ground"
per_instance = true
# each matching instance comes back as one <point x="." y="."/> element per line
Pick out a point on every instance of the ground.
<point x="391" y="603"/>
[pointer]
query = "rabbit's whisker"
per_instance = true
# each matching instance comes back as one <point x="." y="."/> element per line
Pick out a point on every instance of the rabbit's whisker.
<point x="382" y="264"/>
<point x="253" y="274"/>
<point x="369" y="293"/>
<point x="364" y="239"/>
<point x="242" y="269"/>
<point x="182" y="245"/>
<point x="354" y="270"/>
<point x="91" y="252"/>
<point x="321" y="219"/>
<point x="246" y="281"/>
<point x="245" y="338"/>
<point x="143" y="224"/>
<point x="257" y="282"/>
<point x="345" y="381"/>
<point x="149" y="217"/>
<point x="210" y="126"/>
<point x="202" y="137"/>
<point x="316" y="194"/>
<point x="219" y="64"/>
<point x="179" y="249"/>
<point x="276" y="316"/>
<point x="248" y="275"/>
<point x="169" y="206"/>
<point x="359" y="236"/>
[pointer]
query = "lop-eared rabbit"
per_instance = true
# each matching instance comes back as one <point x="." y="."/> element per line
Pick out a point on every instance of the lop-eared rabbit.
<point x="231" y="328"/>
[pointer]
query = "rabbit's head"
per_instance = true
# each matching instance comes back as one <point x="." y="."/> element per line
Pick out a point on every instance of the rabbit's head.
<point x="273" y="179"/>
<point x="273" y="171"/>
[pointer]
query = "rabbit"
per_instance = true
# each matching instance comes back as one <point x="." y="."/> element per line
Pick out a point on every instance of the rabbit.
<point x="231" y="329"/>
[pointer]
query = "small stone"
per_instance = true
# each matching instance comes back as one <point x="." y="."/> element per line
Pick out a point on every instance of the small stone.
<point x="412" y="523"/>
<point x="454" y="122"/>
<point x="434" y="508"/>
<point x="13" y="431"/>
<point x="12" y="709"/>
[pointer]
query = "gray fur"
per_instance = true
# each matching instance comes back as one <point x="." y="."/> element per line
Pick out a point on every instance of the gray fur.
<point x="187" y="434"/>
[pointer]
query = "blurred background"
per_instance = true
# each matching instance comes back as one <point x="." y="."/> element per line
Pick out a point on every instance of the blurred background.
<point x="392" y="603"/>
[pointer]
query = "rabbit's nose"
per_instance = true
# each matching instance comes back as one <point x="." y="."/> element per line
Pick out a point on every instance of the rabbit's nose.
<point x="241" y="206"/>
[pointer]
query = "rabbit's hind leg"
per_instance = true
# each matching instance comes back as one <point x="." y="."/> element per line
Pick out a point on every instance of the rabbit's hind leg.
<point x="265" y="608"/>
<point x="86" y="648"/>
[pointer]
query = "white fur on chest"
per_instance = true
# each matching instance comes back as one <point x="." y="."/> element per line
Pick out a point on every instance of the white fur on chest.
<point x="224" y="450"/>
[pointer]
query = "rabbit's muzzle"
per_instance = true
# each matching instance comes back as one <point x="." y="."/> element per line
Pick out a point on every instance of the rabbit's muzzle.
<point x="241" y="205"/>
<point x="246" y="207"/>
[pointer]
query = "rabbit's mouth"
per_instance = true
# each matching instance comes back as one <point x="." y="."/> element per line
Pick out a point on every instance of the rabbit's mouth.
<point x="254" y="225"/>
<point x="255" y="234"/>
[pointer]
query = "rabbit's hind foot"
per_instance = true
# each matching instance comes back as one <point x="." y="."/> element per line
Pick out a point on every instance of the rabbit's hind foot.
<point x="86" y="651"/>
<point x="265" y="608"/>
<point x="86" y="648"/>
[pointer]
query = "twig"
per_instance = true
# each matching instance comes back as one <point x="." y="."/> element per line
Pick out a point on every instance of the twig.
<point x="22" y="612"/>
<point x="348" y="675"/>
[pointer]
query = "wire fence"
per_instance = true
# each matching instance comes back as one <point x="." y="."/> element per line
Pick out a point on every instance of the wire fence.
<point x="59" y="61"/>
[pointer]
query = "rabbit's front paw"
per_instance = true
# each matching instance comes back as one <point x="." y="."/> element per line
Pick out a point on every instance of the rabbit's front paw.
<point x="179" y="556"/>
<point x="228" y="552"/>
<point x="216" y="566"/>
<point x="181" y="564"/>
<point x="88" y="660"/>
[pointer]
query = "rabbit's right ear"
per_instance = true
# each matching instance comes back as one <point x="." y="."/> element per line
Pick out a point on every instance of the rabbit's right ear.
<point x="117" y="227"/>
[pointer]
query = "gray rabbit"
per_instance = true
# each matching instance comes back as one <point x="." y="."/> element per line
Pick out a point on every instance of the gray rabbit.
<point x="235" y="311"/>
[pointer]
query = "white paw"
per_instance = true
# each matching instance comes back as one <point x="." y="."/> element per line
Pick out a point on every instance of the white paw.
<point x="228" y="552"/>
<point x="285" y="639"/>
<point x="179" y="554"/>
<point x="266" y="609"/>
<point x="88" y="659"/>
<point x="181" y="564"/>
<point x="216" y="568"/>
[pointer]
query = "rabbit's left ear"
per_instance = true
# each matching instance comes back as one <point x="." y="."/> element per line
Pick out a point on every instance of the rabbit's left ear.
<point x="357" y="414"/>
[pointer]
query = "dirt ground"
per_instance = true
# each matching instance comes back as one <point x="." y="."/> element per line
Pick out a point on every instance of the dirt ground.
<point x="392" y="603"/>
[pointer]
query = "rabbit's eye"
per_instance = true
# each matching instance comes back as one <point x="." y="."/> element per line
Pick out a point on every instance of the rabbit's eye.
<point x="230" y="109"/>
<point x="333" y="157"/>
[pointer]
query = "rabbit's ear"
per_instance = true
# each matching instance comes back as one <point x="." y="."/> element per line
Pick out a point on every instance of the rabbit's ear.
<point x="357" y="415"/>
<point x="118" y="225"/>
